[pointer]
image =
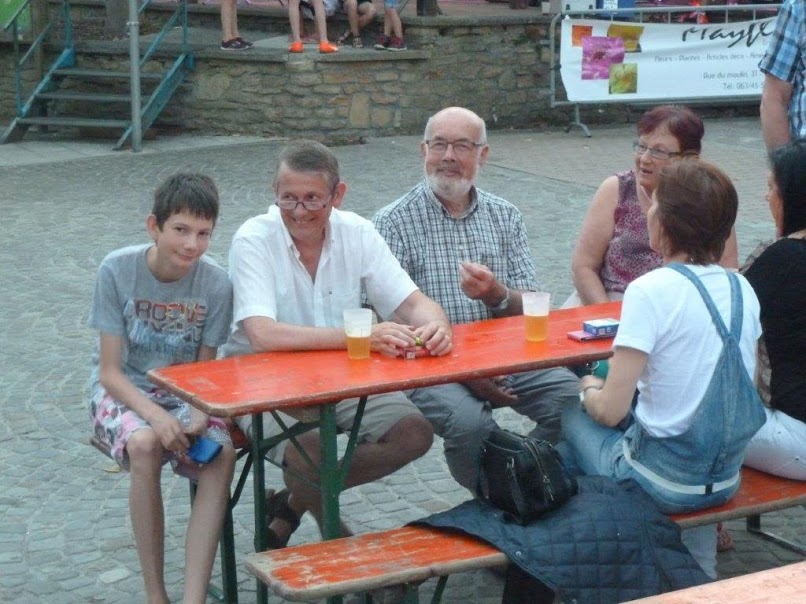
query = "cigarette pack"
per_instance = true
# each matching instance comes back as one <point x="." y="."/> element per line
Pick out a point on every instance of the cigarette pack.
<point x="415" y="352"/>
<point x="601" y="328"/>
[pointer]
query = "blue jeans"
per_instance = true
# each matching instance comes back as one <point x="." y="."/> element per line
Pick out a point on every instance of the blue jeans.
<point x="598" y="450"/>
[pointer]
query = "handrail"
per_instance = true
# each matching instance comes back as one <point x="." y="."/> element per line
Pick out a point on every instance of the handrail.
<point x="16" y="14"/>
<point x="138" y="60"/>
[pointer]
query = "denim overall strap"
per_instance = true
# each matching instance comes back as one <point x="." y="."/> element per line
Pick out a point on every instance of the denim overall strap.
<point x="735" y="299"/>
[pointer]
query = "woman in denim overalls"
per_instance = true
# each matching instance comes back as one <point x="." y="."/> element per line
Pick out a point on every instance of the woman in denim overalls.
<point x="687" y="342"/>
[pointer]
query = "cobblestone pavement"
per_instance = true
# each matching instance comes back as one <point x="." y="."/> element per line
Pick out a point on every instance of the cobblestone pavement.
<point x="64" y="524"/>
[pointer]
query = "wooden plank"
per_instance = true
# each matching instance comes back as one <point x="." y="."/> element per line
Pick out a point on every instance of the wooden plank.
<point x="414" y="554"/>
<point x="759" y="493"/>
<point x="354" y="564"/>
<point x="282" y="380"/>
<point x="782" y="585"/>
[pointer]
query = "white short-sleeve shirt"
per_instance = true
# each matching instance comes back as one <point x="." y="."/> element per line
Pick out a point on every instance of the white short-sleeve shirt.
<point x="664" y="316"/>
<point x="269" y="279"/>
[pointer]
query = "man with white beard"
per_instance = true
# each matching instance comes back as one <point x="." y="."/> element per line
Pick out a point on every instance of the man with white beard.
<point x="467" y="249"/>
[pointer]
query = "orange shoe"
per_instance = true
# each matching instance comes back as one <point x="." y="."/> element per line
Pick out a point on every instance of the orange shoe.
<point x="326" y="48"/>
<point x="296" y="46"/>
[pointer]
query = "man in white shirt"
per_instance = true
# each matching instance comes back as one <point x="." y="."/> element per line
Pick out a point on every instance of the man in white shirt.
<point x="294" y="270"/>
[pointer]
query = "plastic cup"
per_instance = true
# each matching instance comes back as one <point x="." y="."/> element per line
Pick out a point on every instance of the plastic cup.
<point x="357" y="328"/>
<point x="536" y="315"/>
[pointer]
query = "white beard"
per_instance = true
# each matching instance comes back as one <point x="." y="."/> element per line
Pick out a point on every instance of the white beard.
<point x="452" y="189"/>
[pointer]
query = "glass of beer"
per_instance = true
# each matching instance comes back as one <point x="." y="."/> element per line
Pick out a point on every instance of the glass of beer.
<point x="536" y="314"/>
<point x="357" y="328"/>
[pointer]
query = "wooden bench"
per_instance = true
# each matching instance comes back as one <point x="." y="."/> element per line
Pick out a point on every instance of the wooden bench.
<point x="410" y="555"/>
<point x="782" y="584"/>
<point x="228" y="593"/>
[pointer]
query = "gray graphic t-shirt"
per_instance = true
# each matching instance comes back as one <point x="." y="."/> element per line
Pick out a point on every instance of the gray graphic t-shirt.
<point x="161" y="323"/>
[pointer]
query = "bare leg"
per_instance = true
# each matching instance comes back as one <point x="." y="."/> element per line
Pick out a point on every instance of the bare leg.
<point x="148" y="518"/>
<point x="293" y="19"/>
<point x="321" y="19"/>
<point x="229" y="20"/>
<point x="366" y="13"/>
<point x="408" y="439"/>
<point x="204" y="527"/>
<point x="394" y="19"/>
<point x="351" y="7"/>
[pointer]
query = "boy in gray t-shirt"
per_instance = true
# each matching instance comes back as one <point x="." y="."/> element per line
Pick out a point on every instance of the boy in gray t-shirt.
<point x="155" y="305"/>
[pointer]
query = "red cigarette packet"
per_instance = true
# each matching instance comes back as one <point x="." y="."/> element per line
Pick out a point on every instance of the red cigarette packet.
<point x="415" y="352"/>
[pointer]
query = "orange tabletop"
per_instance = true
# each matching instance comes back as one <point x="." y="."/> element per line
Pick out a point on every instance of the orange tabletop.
<point x="267" y="381"/>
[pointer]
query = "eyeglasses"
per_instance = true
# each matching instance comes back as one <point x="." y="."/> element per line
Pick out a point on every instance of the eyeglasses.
<point x="312" y="204"/>
<point x="656" y="153"/>
<point x="461" y="148"/>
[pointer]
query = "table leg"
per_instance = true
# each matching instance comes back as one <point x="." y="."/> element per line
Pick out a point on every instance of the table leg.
<point x="258" y="469"/>
<point x="329" y="477"/>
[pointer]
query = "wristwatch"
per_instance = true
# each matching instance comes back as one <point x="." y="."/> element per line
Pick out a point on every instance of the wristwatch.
<point x="503" y="304"/>
<point x="585" y="390"/>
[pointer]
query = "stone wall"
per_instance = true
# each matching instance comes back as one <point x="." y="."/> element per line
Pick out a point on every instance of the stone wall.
<point x="495" y="65"/>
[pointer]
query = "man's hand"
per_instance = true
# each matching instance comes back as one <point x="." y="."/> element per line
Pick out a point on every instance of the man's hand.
<point x="479" y="283"/>
<point x="390" y="338"/>
<point x="435" y="337"/>
<point x="493" y="390"/>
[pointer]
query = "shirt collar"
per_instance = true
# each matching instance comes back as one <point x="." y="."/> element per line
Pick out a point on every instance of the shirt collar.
<point x="472" y="207"/>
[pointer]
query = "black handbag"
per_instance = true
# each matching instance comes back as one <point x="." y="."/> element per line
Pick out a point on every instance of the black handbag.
<point x="523" y="476"/>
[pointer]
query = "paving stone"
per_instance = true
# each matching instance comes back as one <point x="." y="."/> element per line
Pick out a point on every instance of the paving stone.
<point x="61" y="217"/>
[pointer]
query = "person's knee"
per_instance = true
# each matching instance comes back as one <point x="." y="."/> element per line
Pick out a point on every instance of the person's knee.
<point x="411" y="437"/>
<point x="144" y="447"/>
<point x="297" y="461"/>
<point x="367" y="11"/>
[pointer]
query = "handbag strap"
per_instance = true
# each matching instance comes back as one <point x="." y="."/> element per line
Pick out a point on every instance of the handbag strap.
<point x="736" y="301"/>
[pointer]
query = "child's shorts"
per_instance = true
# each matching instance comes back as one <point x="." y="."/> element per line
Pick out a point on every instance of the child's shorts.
<point x="114" y="423"/>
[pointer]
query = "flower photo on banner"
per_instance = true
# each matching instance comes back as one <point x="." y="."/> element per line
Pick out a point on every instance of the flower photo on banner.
<point x="598" y="54"/>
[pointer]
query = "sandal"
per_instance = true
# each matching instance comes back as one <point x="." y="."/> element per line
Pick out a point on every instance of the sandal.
<point x="349" y="38"/>
<point x="277" y="507"/>
<point x="724" y="540"/>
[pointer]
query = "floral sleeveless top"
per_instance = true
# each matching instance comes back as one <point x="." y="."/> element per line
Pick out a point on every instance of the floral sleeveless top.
<point x="629" y="255"/>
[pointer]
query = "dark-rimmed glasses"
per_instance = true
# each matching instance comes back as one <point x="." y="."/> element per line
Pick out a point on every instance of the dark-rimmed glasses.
<point x="640" y="149"/>
<point x="312" y="204"/>
<point x="461" y="148"/>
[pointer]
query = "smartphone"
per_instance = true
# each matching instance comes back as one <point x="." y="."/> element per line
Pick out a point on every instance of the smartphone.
<point x="204" y="450"/>
<point x="580" y="335"/>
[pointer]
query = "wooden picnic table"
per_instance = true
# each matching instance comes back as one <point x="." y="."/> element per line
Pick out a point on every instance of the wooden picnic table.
<point x="294" y="382"/>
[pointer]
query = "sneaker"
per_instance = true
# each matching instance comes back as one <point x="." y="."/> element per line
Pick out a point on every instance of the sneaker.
<point x="397" y="44"/>
<point x="349" y="38"/>
<point x="326" y="48"/>
<point x="236" y="44"/>
<point x="296" y="46"/>
<point x="383" y="42"/>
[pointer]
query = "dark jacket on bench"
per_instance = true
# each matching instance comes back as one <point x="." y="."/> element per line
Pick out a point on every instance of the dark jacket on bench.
<point x="609" y="543"/>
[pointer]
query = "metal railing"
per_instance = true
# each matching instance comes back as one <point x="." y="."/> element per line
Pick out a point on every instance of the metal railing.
<point x="642" y="15"/>
<point x="21" y="61"/>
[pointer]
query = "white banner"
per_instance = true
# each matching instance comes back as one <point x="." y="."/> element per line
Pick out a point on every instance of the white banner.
<point x="618" y="61"/>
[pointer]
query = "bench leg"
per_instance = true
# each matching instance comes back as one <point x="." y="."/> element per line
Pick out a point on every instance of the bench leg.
<point x="754" y="527"/>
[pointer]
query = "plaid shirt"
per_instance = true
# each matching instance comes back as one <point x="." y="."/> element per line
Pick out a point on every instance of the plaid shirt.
<point x="786" y="60"/>
<point x="430" y="244"/>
